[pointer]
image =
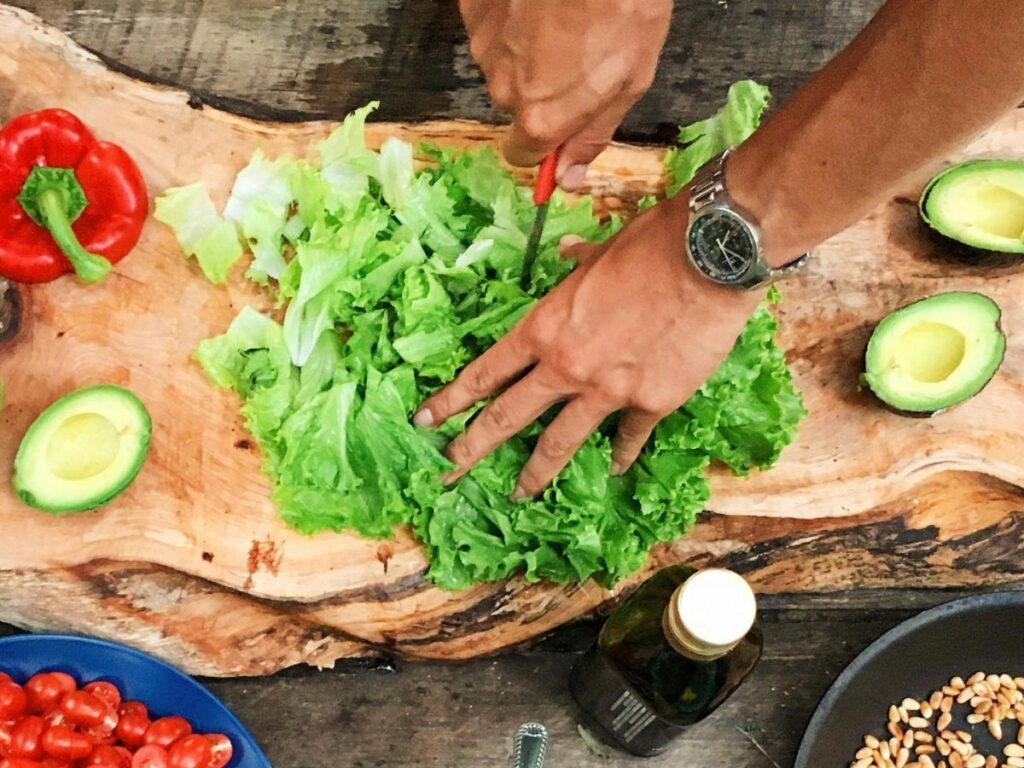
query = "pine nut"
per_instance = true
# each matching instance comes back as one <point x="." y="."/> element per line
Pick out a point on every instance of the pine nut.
<point x="944" y="720"/>
<point x="943" y="746"/>
<point x="1020" y="735"/>
<point x="911" y="705"/>
<point x="995" y="729"/>
<point x="975" y="761"/>
<point x="1013" y="750"/>
<point x="936" y="698"/>
<point x="975" y="678"/>
<point x="918" y="722"/>
<point x="947" y="703"/>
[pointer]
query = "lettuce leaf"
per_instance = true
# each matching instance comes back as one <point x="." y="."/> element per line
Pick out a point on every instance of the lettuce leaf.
<point x="705" y="139"/>
<point x="201" y="233"/>
<point x="393" y="274"/>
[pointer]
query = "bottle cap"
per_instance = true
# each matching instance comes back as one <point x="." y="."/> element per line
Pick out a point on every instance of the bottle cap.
<point x="710" y="613"/>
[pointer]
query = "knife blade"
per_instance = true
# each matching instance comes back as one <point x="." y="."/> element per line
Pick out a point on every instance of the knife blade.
<point x="542" y="191"/>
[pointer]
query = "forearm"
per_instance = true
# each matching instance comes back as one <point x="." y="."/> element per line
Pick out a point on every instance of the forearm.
<point x="921" y="80"/>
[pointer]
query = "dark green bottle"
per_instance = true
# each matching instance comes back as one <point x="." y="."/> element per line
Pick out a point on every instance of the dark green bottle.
<point x="668" y="657"/>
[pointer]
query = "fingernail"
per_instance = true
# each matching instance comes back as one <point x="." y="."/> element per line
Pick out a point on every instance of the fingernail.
<point x="423" y="418"/>
<point x="518" y="493"/>
<point x="573" y="176"/>
<point x="617" y="468"/>
<point x="450" y="478"/>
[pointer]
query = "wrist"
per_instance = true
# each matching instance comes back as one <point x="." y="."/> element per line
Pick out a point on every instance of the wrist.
<point x="758" y="182"/>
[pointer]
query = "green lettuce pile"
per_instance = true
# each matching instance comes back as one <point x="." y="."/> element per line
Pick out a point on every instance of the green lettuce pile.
<point x="394" y="269"/>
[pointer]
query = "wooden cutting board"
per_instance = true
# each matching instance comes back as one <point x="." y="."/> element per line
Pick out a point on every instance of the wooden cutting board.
<point x="192" y="563"/>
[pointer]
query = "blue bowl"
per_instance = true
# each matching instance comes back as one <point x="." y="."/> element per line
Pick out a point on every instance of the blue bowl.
<point x="162" y="688"/>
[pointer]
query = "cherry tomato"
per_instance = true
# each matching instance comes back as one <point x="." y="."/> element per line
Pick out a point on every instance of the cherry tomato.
<point x="65" y="743"/>
<point x="133" y="706"/>
<point x="5" y="738"/>
<point x="150" y="756"/>
<point x="13" y="701"/>
<point x="108" y="757"/>
<point x="105" y="692"/>
<point x="131" y="729"/>
<point x="125" y="753"/>
<point x="5" y="678"/>
<point x="193" y="751"/>
<point x="27" y="738"/>
<point x="55" y="717"/>
<point x="65" y="681"/>
<point x="20" y="762"/>
<point x="83" y="709"/>
<point x="167" y="730"/>
<point x="52" y="762"/>
<point x="44" y="692"/>
<point x="221" y="749"/>
<point x="103" y="734"/>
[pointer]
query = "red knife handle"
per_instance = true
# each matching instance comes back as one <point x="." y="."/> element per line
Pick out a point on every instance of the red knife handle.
<point x="546" y="183"/>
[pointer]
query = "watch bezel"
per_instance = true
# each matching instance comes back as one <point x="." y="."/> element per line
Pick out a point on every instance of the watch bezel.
<point x="703" y="265"/>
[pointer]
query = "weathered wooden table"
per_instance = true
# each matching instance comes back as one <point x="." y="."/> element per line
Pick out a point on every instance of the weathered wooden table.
<point x="297" y="60"/>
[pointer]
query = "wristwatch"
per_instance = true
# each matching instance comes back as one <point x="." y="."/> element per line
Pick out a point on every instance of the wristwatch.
<point x="721" y="240"/>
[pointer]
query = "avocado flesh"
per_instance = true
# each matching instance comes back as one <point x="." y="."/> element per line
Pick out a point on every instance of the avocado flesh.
<point x="83" y="450"/>
<point x="935" y="353"/>
<point x="979" y="204"/>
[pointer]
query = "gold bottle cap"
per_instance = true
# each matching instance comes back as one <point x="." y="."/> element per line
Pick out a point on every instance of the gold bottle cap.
<point x="710" y="613"/>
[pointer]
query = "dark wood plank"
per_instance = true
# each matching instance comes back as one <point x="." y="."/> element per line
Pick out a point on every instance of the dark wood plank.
<point x="296" y="60"/>
<point x="405" y="715"/>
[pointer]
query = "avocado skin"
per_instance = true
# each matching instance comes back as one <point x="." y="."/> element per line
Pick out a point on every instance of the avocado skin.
<point x="928" y="414"/>
<point x="957" y="250"/>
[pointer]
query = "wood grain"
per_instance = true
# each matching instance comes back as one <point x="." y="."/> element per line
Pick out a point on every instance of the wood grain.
<point x="192" y="562"/>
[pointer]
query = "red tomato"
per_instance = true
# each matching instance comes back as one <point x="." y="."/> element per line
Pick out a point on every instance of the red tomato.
<point x="44" y="692"/>
<point x="52" y="762"/>
<point x="132" y="706"/>
<point x="125" y="753"/>
<point x="83" y="709"/>
<point x="4" y="677"/>
<point x="101" y="735"/>
<point x="105" y="692"/>
<point x="55" y="717"/>
<point x="27" y="738"/>
<point x="5" y="738"/>
<point x="105" y="756"/>
<point x="20" y="762"/>
<point x="65" y="743"/>
<point x="167" y="730"/>
<point x="131" y="729"/>
<point x="150" y="756"/>
<point x="192" y="751"/>
<point x="221" y="748"/>
<point x="13" y="701"/>
<point x="65" y="681"/>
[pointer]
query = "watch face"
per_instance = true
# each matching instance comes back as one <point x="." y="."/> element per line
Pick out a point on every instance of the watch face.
<point x="722" y="245"/>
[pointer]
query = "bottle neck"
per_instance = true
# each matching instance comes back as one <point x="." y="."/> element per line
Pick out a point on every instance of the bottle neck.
<point x="685" y="642"/>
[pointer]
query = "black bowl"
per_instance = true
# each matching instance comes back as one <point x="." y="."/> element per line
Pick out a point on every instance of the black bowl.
<point x="984" y="633"/>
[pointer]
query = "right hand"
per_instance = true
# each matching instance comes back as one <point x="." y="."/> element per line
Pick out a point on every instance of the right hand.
<point x="568" y="70"/>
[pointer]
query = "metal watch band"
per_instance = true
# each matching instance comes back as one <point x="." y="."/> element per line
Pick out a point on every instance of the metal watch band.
<point x="708" y="188"/>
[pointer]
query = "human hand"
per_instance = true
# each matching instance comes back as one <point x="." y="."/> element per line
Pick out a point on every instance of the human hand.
<point x="634" y="328"/>
<point x="568" y="70"/>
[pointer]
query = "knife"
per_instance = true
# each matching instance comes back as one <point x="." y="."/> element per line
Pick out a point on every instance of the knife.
<point x="542" y="191"/>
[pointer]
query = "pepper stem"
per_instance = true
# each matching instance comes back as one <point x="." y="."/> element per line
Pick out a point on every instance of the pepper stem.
<point x="53" y="198"/>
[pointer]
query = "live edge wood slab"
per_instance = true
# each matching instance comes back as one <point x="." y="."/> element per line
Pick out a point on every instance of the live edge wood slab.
<point x="192" y="564"/>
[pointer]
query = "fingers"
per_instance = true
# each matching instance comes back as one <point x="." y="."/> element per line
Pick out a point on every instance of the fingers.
<point x="559" y="443"/>
<point x="580" y="149"/>
<point x="541" y="125"/>
<point x="635" y="427"/>
<point x="575" y="248"/>
<point x="521" y="404"/>
<point x="487" y="374"/>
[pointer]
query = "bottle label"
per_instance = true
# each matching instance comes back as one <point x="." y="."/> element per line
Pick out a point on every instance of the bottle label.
<point x="630" y="716"/>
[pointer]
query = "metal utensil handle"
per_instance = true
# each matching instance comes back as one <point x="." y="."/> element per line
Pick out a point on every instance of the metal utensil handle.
<point x="530" y="745"/>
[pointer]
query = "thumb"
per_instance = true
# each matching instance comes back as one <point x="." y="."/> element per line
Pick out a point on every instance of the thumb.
<point x="582" y="148"/>
<point x="575" y="248"/>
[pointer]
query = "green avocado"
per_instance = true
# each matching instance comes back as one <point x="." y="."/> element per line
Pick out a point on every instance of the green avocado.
<point x="83" y="450"/>
<point x="936" y="352"/>
<point x="979" y="205"/>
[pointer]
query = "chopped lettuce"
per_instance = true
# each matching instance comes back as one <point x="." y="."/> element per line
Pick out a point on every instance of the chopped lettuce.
<point x="393" y="278"/>
<point x="705" y="139"/>
<point x="200" y="231"/>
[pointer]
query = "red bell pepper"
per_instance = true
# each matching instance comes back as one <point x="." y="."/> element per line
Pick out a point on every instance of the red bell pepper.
<point x="67" y="201"/>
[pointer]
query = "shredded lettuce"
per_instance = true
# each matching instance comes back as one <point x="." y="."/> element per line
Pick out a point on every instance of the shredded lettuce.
<point x="703" y="140"/>
<point x="200" y="231"/>
<point x="392" y="278"/>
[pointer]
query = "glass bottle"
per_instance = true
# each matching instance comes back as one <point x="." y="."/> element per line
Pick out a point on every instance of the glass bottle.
<point x="668" y="657"/>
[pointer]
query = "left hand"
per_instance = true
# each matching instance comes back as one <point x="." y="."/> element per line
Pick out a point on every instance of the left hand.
<point x="634" y="328"/>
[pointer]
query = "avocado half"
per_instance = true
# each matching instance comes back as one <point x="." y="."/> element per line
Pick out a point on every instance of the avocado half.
<point x="978" y="206"/>
<point x="935" y="353"/>
<point x="83" y="450"/>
